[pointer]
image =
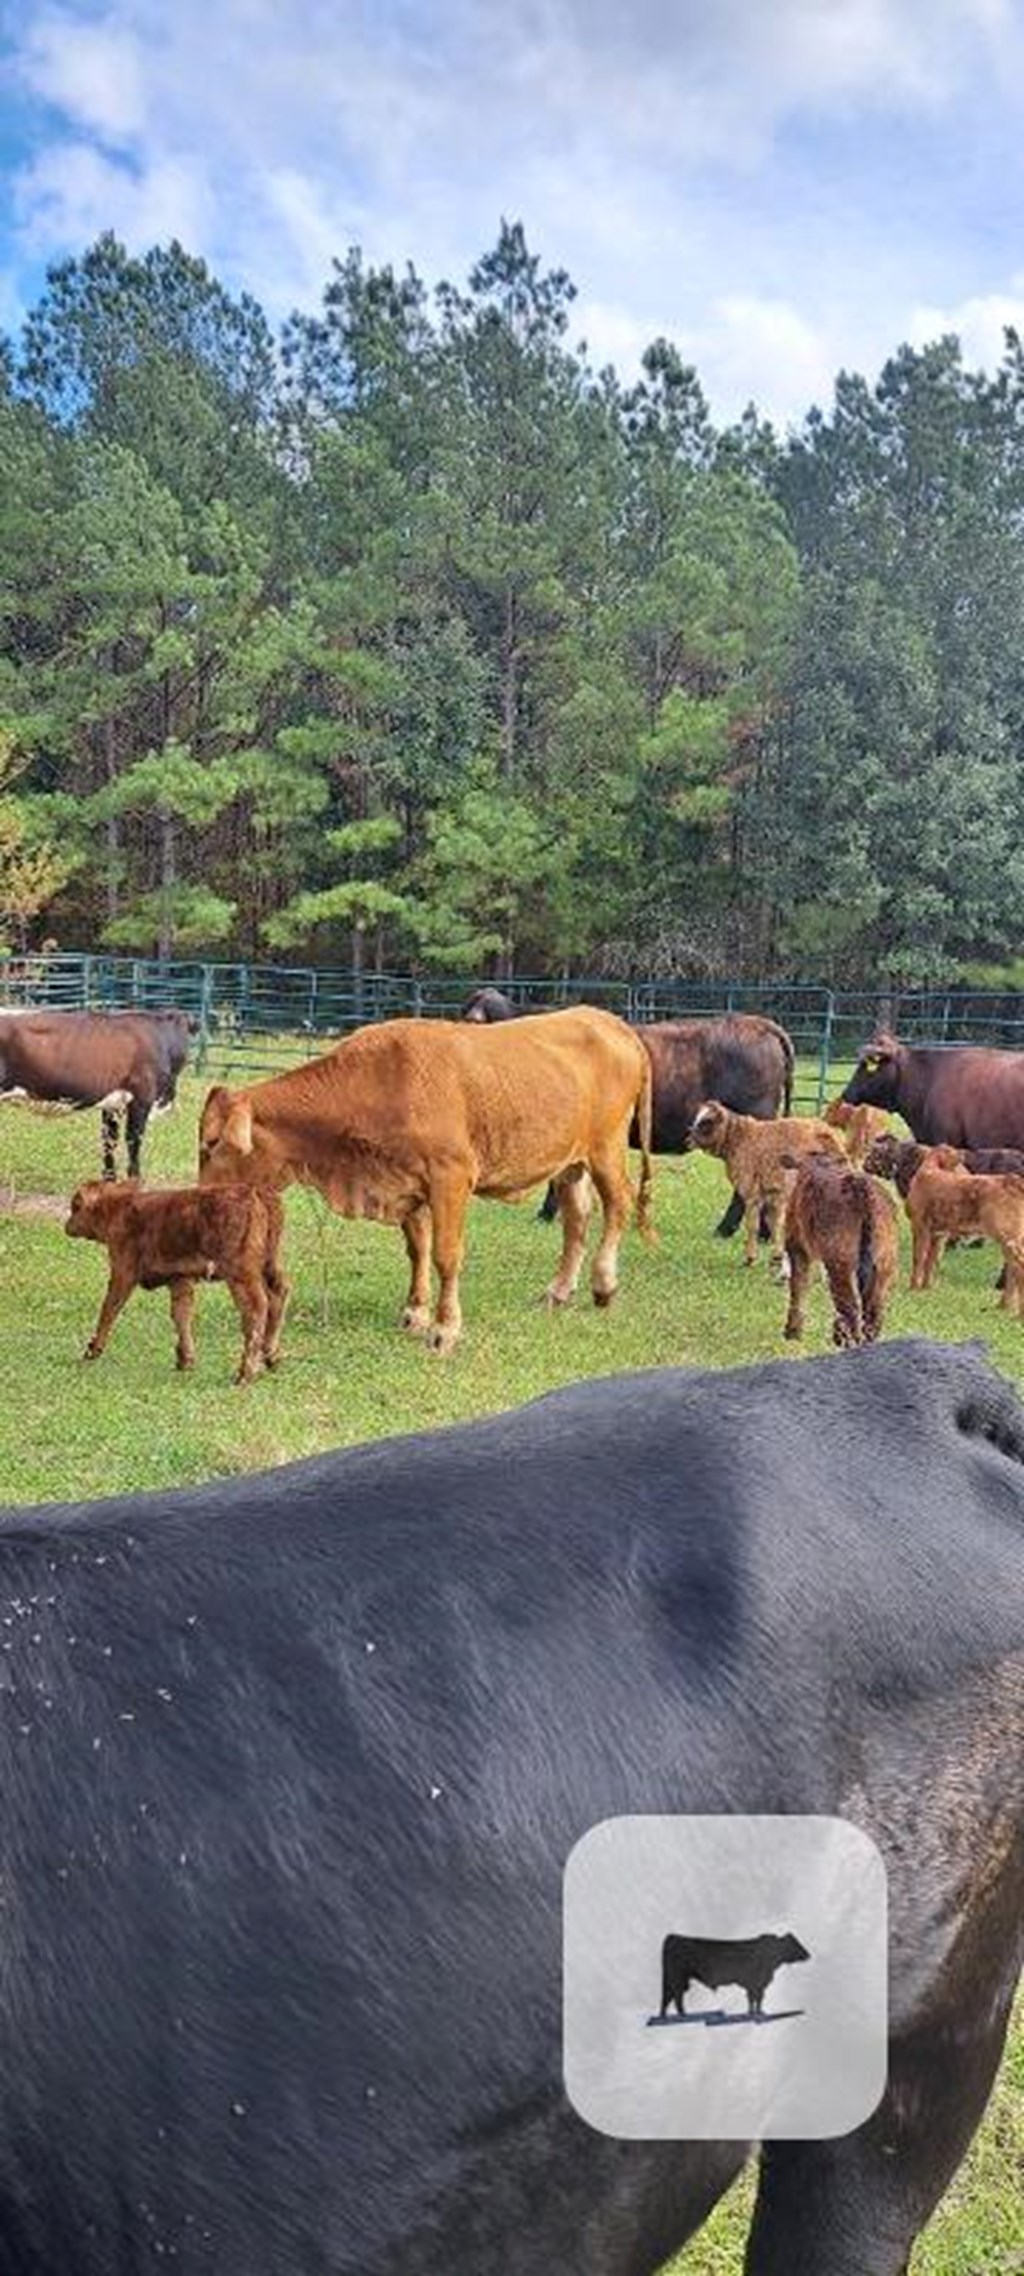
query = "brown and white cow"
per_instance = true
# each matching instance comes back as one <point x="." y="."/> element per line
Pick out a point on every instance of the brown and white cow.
<point x="123" y="1062"/>
<point x="178" y="1237"/>
<point x="403" y="1121"/>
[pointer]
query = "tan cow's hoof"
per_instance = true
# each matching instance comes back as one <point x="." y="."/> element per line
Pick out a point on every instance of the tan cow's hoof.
<point x="603" y="1297"/>
<point x="415" y="1319"/>
<point x="555" y="1299"/>
<point x="92" y="1352"/>
<point x="442" y="1341"/>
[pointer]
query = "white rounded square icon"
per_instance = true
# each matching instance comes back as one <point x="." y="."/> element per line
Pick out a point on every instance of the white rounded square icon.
<point x="725" y="1978"/>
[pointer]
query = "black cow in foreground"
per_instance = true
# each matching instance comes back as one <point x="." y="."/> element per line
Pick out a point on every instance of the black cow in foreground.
<point x="956" y="1096"/>
<point x="742" y="1059"/>
<point x="292" y="1766"/>
<point x="749" y="1961"/>
<point x="123" y="1062"/>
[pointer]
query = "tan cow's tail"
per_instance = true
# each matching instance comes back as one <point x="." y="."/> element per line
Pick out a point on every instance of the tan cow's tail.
<point x="644" y="1123"/>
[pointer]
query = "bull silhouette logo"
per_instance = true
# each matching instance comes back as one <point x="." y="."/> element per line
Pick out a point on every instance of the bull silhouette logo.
<point x="749" y="1963"/>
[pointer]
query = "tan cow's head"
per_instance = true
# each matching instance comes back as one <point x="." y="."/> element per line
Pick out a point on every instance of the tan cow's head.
<point x="710" y="1127"/>
<point x="233" y="1147"/>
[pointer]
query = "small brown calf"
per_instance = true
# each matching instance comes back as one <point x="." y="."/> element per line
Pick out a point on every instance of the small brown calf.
<point x="838" y="1217"/>
<point x="949" y="1204"/>
<point x="754" y="1154"/>
<point x="859" y="1127"/>
<point x="172" y="1239"/>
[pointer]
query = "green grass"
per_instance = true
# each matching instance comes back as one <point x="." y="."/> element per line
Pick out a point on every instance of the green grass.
<point x="67" y="1430"/>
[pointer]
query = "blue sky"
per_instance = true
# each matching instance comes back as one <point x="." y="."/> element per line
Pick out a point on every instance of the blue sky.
<point x="781" y="186"/>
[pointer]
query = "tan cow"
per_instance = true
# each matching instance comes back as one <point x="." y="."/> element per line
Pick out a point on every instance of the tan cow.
<point x="945" y="1204"/>
<point x="405" y="1120"/>
<point x="859" y="1125"/>
<point x="757" y="1157"/>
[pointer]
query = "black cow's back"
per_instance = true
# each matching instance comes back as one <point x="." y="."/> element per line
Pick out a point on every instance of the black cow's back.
<point x="292" y="1765"/>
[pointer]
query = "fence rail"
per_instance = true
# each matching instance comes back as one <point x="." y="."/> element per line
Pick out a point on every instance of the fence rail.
<point x="255" y="1017"/>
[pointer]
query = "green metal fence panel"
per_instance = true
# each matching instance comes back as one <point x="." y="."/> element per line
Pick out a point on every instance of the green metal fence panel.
<point x="253" y="1017"/>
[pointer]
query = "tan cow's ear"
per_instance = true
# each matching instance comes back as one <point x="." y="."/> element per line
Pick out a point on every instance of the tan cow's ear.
<point x="237" y="1131"/>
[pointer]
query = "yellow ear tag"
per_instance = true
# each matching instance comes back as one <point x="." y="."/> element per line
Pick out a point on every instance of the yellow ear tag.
<point x="871" y="1066"/>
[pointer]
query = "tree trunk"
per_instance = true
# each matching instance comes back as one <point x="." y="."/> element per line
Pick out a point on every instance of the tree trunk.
<point x="113" y="826"/>
<point x="358" y="942"/>
<point x="509" y="687"/>
<point x="168" y="880"/>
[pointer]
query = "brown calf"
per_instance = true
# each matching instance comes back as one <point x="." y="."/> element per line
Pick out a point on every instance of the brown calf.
<point x="858" y="1126"/>
<point x="948" y="1204"/>
<point x="174" y="1239"/>
<point x="755" y="1156"/>
<point x="838" y="1217"/>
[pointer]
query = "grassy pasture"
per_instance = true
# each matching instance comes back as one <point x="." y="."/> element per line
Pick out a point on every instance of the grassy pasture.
<point x="67" y="1430"/>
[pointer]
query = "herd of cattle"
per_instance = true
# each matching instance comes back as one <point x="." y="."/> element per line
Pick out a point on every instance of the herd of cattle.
<point x="293" y="1763"/>
<point x="404" y="1121"/>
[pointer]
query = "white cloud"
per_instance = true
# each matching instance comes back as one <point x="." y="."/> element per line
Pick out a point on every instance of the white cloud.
<point x="767" y="350"/>
<point x="635" y="148"/>
<point x="72" y="191"/>
<point x="980" y="322"/>
<point x="92" y="71"/>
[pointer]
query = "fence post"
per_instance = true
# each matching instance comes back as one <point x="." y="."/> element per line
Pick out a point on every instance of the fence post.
<point x="205" y="1015"/>
<point x="825" y="1055"/>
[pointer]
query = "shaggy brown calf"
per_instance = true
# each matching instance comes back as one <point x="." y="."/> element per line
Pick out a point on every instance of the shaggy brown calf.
<point x="840" y="1218"/>
<point x="174" y="1239"/>
<point x="901" y="1158"/>
<point x="858" y="1125"/>
<point x="950" y="1204"/>
<point x="755" y="1156"/>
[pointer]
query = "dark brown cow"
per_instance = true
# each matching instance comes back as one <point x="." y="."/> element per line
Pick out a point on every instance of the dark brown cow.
<point x="173" y="1239"/>
<point x="741" y="1058"/>
<point x="961" y="1096"/>
<point x="122" y="1062"/>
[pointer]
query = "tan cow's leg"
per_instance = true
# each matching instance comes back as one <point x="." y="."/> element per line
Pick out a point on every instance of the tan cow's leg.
<point x="119" y="1288"/>
<point x="918" y="1253"/>
<point x="448" y="1200"/>
<point x="575" y="1196"/>
<point x="1012" y="1297"/>
<point x="751" y="1228"/>
<point x="933" y="1259"/>
<point x="279" y="1289"/>
<point x="418" y="1235"/>
<point x="615" y="1194"/>
<point x="250" y="1299"/>
<point x="182" y="1311"/>
<point x="775" y="1212"/>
